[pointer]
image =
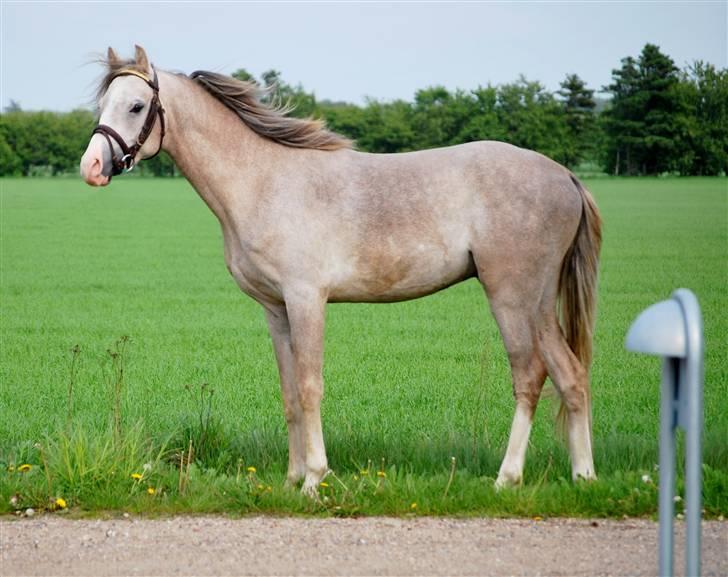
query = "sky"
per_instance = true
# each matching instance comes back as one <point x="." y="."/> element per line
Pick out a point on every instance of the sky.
<point x="348" y="51"/>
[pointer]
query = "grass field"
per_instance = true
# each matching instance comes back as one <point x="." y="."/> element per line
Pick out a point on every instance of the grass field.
<point x="408" y="386"/>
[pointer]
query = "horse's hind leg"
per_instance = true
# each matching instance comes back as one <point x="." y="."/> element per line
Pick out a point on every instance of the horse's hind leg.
<point x="571" y="380"/>
<point x="516" y="325"/>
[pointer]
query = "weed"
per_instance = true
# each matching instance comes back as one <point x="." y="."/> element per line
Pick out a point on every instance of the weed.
<point x="75" y="355"/>
<point x="116" y="352"/>
<point x="204" y="433"/>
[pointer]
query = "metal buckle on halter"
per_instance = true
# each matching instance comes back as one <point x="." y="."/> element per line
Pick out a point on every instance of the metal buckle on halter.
<point x="128" y="162"/>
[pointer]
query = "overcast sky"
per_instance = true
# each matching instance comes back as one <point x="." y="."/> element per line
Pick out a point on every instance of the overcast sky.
<point x="348" y="51"/>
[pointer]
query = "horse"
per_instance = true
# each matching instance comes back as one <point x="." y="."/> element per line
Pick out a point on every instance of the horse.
<point x="307" y="219"/>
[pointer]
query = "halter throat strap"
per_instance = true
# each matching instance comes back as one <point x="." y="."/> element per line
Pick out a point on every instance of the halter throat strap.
<point x="127" y="161"/>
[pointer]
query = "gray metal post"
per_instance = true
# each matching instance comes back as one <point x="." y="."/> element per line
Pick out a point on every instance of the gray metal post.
<point x="691" y="407"/>
<point x="668" y="420"/>
<point x="673" y="329"/>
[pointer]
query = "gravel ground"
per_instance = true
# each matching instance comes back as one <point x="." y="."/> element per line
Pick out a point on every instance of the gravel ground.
<point x="50" y="545"/>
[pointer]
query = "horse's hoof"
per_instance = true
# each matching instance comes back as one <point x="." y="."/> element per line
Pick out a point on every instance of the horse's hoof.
<point x="310" y="491"/>
<point x="584" y="477"/>
<point x="312" y="482"/>
<point x="290" y="484"/>
<point x="505" y="481"/>
<point x="293" y="480"/>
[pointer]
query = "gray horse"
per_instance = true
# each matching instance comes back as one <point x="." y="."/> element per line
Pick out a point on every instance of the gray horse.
<point x="307" y="220"/>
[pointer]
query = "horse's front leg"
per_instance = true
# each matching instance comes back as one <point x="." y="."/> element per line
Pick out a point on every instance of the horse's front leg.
<point x="306" y="310"/>
<point x="280" y="332"/>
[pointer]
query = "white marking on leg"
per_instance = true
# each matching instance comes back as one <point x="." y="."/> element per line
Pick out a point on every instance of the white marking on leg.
<point x="582" y="462"/>
<point x="316" y="463"/>
<point x="511" y="470"/>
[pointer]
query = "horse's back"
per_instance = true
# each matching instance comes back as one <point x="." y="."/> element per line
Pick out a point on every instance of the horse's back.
<point x="412" y="223"/>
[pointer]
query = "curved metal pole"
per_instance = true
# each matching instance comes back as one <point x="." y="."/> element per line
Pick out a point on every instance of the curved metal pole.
<point x="692" y="407"/>
<point x="673" y="329"/>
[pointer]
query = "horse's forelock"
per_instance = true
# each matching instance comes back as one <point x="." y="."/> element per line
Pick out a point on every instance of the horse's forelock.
<point x="113" y="68"/>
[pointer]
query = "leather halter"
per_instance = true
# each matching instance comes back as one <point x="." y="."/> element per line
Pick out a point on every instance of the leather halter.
<point x="126" y="162"/>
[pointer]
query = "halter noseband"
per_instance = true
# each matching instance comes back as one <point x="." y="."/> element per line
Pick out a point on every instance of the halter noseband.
<point x="126" y="162"/>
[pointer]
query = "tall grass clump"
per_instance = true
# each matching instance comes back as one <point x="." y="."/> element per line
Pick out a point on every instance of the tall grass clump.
<point x="75" y="464"/>
<point x="201" y="438"/>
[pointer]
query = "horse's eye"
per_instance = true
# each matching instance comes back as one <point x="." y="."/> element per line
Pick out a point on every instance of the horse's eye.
<point x="137" y="108"/>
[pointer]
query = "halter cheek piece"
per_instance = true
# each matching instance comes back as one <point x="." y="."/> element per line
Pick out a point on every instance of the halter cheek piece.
<point x="126" y="162"/>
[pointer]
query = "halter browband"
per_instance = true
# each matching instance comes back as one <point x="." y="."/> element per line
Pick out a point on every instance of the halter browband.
<point x="126" y="162"/>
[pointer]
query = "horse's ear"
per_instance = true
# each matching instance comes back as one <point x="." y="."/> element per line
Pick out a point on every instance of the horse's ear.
<point x="111" y="57"/>
<point x="140" y="57"/>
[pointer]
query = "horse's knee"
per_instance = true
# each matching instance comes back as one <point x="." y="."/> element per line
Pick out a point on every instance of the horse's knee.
<point x="527" y="398"/>
<point x="292" y="412"/>
<point x="310" y="393"/>
<point x="575" y="392"/>
<point x="528" y="380"/>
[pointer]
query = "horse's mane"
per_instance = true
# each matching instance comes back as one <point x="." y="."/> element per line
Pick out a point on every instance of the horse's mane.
<point x="271" y="121"/>
<point x="244" y="99"/>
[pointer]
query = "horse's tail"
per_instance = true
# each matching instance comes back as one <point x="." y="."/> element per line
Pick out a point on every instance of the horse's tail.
<point x="578" y="288"/>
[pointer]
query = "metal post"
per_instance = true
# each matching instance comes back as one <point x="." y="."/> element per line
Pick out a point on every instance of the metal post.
<point x="691" y="405"/>
<point x="673" y="329"/>
<point x="668" y="418"/>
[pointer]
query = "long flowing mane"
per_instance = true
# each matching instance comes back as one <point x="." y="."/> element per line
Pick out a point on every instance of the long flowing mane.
<point x="244" y="99"/>
<point x="271" y="121"/>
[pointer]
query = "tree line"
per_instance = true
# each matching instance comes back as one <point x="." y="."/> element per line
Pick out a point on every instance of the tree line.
<point x="658" y="119"/>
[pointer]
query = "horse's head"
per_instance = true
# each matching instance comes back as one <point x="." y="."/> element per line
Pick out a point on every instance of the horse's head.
<point x="131" y="119"/>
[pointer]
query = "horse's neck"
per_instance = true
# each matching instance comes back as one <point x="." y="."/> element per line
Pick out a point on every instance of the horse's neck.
<point x="220" y="156"/>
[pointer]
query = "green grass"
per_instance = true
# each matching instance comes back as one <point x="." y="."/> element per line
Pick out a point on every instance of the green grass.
<point x="408" y="386"/>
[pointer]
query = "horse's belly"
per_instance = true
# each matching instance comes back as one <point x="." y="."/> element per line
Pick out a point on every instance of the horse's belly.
<point x="402" y="278"/>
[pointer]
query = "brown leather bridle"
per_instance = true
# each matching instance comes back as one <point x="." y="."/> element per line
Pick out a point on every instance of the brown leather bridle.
<point x="126" y="162"/>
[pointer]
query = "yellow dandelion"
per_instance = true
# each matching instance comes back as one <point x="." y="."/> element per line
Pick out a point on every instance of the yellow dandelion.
<point x="260" y="487"/>
<point x="136" y="476"/>
<point x="61" y="503"/>
<point x="537" y="518"/>
<point x="413" y="506"/>
<point x="324" y="484"/>
<point x="364" y="472"/>
<point x="269" y="489"/>
<point x="24" y="468"/>
<point x="251" y="470"/>
<point x="381" y="474"/>
<point x="151" y="490"/>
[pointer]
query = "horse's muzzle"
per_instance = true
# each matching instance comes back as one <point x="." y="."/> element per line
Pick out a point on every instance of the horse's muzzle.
<point x="92" y="164"/>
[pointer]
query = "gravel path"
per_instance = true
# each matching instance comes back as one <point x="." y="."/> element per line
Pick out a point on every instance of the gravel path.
<point x="50" y="545"/>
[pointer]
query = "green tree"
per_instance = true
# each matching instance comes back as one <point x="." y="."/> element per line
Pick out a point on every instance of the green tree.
<point x="387" y="127"/>
<point x="439" y="116"/>
<point x="703" y="90"/>
<point x="346" y="119"/>
<point x="45" y="142"/>
<point x="579" y="104"/>
<point x="10" y="163"/>
<point x="644" y="122"/>
<point x="484" y="122"/>
<point x="244" y="75"/>
<point x="532" y="118"/>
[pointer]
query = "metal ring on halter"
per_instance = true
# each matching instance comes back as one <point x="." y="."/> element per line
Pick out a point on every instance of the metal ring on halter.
<point x="128" y="161"/>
